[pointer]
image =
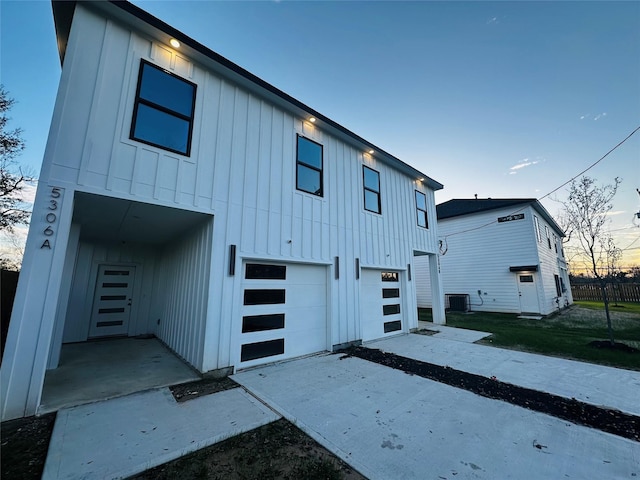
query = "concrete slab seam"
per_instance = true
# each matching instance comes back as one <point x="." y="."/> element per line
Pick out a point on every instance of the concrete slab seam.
<point x="325" y="442"/>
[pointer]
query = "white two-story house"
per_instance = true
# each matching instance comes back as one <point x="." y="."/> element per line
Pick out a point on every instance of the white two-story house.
<point x="498" y="255"/>
<point x="183" y="197"/>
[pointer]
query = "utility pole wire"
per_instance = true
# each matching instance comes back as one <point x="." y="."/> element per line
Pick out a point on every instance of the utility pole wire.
<point x="592" y="165"/>
<point x="554" y="190"/>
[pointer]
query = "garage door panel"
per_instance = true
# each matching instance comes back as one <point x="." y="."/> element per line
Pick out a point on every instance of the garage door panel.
<point x="296" y="326"/>
<point x="381" y="308"/>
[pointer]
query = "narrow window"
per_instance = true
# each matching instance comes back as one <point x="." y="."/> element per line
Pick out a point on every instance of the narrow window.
<point x="558" y="286"/>
<point x="259" y="323"/>
<point x="259" y="271"/>
<point x="309" y="166"/>
<point x="391" y="309"/>
<point x="389" y="276"/>
<point x="546" y="231"/>
<point x="253" y="351"/>
<point x="264" y="296"/>
<point x="555" y="242"/>
<point x="390" y="293"/>
<point x="537" y="227"/>
<point x="371" y="190"/>
<point x="392" y="326"/>
<point x="421" y="209"/>
<point x="163" y="112"/>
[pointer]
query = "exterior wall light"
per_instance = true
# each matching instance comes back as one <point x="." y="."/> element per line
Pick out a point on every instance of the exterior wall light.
<point x="174" y="43"/>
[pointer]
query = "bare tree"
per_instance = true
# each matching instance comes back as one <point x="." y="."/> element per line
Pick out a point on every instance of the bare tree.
<point x="586" y="215"/>
<point x="13" y="179"/>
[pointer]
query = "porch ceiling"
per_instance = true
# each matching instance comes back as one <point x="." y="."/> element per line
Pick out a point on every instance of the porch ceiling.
<point x="114" y="219"/>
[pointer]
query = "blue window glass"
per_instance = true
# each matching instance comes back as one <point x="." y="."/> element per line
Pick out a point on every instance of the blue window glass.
<point x="309" y="166"/>
<point x="163" y="113"/>
<point x="309" y="153"/>
<point x="371" y="201"/>
<point x="309" y="180"/>
<point x="166" y="90"/>
<point x="371" y="180"/>
<point x="160" y="128"/>
<point x="421" y="209"/>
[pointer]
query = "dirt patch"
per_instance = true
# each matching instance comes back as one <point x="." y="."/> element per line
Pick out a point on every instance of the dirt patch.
<point x="206" y="386"/>
<point x="278" y="450"/>
<point x="572" y="410"/>
<point x="426" y="331"/>
<point x="613" y="346"/>
<point x="25" y="442"/>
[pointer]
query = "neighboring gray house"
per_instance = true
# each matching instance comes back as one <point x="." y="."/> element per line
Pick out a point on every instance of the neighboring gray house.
<point x="498" y="255"/>
<point x="183" y="197"/>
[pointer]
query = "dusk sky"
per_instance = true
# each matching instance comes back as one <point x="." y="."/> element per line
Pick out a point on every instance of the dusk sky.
<point x="498" y="99"/>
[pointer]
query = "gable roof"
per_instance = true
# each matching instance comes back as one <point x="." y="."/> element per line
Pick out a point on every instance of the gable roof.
<point x="143" y="21"/>
<point x="468" y="206"/>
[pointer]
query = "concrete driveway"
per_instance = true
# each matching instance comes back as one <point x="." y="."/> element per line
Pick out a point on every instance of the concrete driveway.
<point x="385" y="423"/>
<point x="390" y="425"/>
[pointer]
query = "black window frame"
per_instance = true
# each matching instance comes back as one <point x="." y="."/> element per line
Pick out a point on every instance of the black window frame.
<point x="420" y="211"/>
<point x="558" y="285"/>
<point x="299" y="163"/>
<point x="161" y="108"/>
<point x="367" y="189"/>
<point x="536" y="224"/>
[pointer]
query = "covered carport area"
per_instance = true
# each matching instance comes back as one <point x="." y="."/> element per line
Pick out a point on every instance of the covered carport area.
<point x="132" y="308"/>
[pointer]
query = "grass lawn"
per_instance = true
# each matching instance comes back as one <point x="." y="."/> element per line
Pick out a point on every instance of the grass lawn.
<point x="625" y="307"/>
<point x="566" y="334"/>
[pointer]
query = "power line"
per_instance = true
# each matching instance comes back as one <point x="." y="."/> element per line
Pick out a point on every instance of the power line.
<point x="555" y="189"/>
<point x="592" y="165"/>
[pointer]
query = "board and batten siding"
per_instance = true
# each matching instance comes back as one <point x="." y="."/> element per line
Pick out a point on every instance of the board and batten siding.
<point x="241" y="170"/>
<point x="181" y="293"/>
<point x="479" y="259"/>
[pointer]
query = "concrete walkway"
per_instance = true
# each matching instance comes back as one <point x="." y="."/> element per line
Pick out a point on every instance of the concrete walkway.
<point x="127" y="435"/>
<point x="595" y="384"/>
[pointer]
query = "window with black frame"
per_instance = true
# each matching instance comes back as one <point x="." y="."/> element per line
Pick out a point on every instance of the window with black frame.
<point x="371" y="190"/>
<point x="421" y="209"/>
<point x="309" y="166"/>
<point x="164" y="110"/>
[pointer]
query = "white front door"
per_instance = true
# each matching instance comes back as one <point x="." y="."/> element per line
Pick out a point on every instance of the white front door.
<point x="112" y="301"/>
<point x="528" y="293"/>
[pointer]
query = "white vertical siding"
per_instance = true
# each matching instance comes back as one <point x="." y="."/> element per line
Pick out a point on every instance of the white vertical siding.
<point x="241" y="169"/>
<point x="181" y="293"/>
<point x="480" y="257"/>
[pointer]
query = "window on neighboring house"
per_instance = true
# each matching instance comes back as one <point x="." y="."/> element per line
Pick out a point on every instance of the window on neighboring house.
<point x="309" y="166"/>
<point x="536" y="224"/>
<point x="546" y="231"/>
<point x="421" y="209"/>
<point x="371" y="190"/>
<point x="558" y="286"/>
<point x="163" y="112"/>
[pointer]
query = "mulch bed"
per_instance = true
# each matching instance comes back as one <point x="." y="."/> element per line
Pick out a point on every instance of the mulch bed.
<point x="25" y="442"/>
<point x="572" y="410"/>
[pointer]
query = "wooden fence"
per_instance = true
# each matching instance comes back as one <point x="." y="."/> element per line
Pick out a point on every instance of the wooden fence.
<point x="617" y="292"/>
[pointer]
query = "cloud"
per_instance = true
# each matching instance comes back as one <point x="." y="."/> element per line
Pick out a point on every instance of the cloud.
<point x="615" y="212"/>
<point x="525" y="162"/>
<point x="493" y="20"/>
<point x="595" y="118"/>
